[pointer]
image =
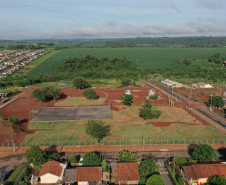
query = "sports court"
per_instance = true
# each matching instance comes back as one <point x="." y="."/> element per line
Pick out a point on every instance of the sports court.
<point x="73" y="113"/>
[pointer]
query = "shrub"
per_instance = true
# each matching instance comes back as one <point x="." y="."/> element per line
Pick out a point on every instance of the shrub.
<point x="155" y="180"/>
<point x="80" y="83"/>
<point x="73" y="159"/>
<point x="147" y="112"/>
<point x="90" y="94"/>
<point x="14" y="119"/>
<point x="91" y="159"/>
<point x="153" y="97"/>
<point x="105" y="167"/>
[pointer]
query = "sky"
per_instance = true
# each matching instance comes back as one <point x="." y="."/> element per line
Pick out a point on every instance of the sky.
<point x="93" y="19"/>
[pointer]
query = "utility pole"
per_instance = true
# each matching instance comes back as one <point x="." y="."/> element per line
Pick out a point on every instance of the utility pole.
<point x="174" y="165"/>
<point x="12" y="142"/>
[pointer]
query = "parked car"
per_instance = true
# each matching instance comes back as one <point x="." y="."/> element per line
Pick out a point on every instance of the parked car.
<point x="5" y="175"/>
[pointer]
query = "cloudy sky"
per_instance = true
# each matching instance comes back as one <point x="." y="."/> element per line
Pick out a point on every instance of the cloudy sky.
<point x="77" y="19"/>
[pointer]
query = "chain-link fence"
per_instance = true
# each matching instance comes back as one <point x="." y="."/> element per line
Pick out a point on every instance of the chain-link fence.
<point x="118" y="143"/>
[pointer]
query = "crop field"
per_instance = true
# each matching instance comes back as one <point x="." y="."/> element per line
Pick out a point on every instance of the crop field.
<point x="127" y="126"/>
<point x="35" y="63"/>
<point x="143" y="58"/>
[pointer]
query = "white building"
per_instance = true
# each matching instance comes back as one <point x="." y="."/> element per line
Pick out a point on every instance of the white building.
<point x="171" y="83"/>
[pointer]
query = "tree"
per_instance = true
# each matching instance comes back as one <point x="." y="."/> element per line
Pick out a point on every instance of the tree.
<point x="217" y="180"/>
<point x="14" y="119"/>
<point x="45" y="93"/>
<point x="36" y="156"/>
<point x="97" y="129"/>
<point x="73" y="159"/>
<point x="80" y="83"/>
<point x="52" y="91"/>
<point x="105" y="167"/>
<point x="127" y="99"/>
<point x="148" y="112"/>
<point x="125" y="82"/>
<point x="204" y="153"/>
<point x="91" y="159"/>
<point x="90" y="94"/>
<point x="217" y="101"/>
<point x="147" y="167"/>
<point x="127" y="156"/>
<point x="155" y="180"/>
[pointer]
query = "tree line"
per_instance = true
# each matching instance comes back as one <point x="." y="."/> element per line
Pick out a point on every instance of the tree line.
<point x="166" y="42"/>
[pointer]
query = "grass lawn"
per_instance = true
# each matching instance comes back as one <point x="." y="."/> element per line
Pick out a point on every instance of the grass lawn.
<point x="80" y="101"/>
<point x="127" y="126"/>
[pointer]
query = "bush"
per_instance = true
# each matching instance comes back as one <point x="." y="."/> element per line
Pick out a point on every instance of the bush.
<point x="14" y="119"/>
<point x="127" y="156"/>
<point x="147" y="112"/>
<point x="105" y="167"/>
<point x="91" y="159"/>
<point x="73" y="159"/>
<point x="217" y="180"/>
<point x="90" y="94"/>
<point x="80" y="83"/>
<point x="153" y="97"/>
<point x="155" y="180"/>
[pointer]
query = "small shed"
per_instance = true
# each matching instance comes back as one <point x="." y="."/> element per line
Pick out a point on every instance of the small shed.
<point x="151" y="92"/>
<point x="128" y="92"/>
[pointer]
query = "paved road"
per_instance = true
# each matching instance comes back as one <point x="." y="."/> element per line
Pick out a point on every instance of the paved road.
<point x="11" y="162"/>
<point x="192" y="103"/>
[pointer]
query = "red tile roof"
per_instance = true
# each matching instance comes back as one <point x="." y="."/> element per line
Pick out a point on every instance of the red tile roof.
<point x="52" y="167"/>
<point x="127" y="171"/>
<point x="197" y="171"/>
<point x="88" y="174"/>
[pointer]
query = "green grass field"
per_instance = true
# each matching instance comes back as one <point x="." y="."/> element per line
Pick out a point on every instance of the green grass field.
<point x="142" y="57"/>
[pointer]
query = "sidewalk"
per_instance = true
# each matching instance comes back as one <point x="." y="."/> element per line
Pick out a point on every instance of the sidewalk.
<point x="9" y="150"/>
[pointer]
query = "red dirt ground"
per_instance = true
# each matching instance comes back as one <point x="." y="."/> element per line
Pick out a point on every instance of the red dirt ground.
<point x="195" y="93"/>
<point x="23" y="107"/>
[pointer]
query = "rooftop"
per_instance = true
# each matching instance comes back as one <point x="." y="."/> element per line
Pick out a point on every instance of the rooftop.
<point x="52" y="167"/>
<point x="88" y="174"/>
<point x="197" y="171"/>
<point x="127" y="171"/>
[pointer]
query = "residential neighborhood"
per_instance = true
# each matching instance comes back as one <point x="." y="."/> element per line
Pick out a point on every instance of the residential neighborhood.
<point x="12" y="60"/>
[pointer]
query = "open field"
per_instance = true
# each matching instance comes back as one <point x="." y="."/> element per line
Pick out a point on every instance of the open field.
<point x="71" y="101"/>
<point x="174" y="124"/>
<point x="144" y="58"/>
<point x="127" y="126"/>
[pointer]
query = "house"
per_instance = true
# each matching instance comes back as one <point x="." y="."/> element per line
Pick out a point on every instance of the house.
<point x="83" y="175"/>
<point x="127" y="173"/>
<point x="199" y="173"/>
<point x="88" y="175"/>
<point x="52" y="172"/>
